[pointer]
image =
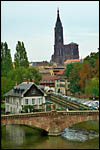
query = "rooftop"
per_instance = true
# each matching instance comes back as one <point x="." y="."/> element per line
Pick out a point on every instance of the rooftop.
<point x="68" y="61"/>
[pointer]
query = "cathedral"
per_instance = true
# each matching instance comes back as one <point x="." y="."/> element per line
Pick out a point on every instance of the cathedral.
<point x="63" y="52"/>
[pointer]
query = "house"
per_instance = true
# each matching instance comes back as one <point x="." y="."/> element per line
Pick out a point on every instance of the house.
<point x="48" y="81"/>
<point x="62" y="85"/>
<point x="24" y="94"/>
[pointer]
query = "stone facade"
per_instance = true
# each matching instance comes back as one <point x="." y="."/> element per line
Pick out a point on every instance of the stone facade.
<point x="63" y="52"/>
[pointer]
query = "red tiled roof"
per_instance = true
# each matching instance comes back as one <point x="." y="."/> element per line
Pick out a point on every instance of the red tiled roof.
<point x="48" y="79"/>
<point x="60" y="72"/>
<point x="68" y="61"/>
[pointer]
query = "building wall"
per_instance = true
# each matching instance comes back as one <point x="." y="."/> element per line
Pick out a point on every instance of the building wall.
<point x="14" y="104"/>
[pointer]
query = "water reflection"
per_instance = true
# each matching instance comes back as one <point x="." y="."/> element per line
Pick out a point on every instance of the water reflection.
<point x="16" y="134"/>
<point x="23" y="137"/>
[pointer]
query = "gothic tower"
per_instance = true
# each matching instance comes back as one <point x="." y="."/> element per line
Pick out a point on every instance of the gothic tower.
<point x="58" y="47"/>
<point x="58" y="30"/>
<point x="61" y="51"/>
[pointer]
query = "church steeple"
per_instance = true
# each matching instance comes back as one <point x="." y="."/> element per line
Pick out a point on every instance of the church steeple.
<point x="58" y="18"/>
<point x="58" y="30"/>
<point x="62" y="52"/>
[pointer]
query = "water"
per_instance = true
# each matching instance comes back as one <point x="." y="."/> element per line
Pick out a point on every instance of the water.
<point x="79" y="135"/>
<point x="75" y="137"/>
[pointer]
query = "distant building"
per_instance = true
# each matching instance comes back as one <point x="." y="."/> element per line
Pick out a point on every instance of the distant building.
<point x="62" y="85"/>
<point x="40" y="63"/>
<point x="48" y="81"/>
<point x="59" y="70"/>
<point x="24" y="94"/>
<point x="61" y="51"/>
<point x="68" y="61"/>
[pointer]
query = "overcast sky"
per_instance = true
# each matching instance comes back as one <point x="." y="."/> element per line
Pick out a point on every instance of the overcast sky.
<point x="33" y="23"/>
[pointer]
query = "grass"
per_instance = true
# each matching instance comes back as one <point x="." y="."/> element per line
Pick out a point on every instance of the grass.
<point x="89" y="125"/>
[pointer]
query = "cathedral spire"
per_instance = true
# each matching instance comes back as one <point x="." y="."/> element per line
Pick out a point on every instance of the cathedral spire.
<point x="57" y="11"/>
<point x="58" y="16"/>
<point x="58" y="30"/>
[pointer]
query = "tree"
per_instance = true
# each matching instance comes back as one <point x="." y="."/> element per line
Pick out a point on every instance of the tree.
<point x="85" y="74"/>
<point x="6" y="60"/>
<point x="74" y="77"/>
<point x="92" y="87"/>
<point x="95" y="70"/>
<point x="69" y="68"/>
<point x="6" y="85"/>
<point x="20" y="74"/>
<point x="20" y="57"/>
<point x="91" y="59"/>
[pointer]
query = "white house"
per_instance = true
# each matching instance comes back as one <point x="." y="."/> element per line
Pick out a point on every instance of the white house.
<point x="24" y="94"/>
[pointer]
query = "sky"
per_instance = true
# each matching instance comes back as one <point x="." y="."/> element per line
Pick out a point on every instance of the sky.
<point x="33" y="23"/>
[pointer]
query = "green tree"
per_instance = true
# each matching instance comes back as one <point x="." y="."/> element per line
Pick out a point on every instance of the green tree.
<point x="6" y="85"/>
<point x="85" y="74"/>
<point x="69" y="68"/>
<point x="20" y="74"/>
<point x="91" y="59"/>
<point x="92" y="87"/>
<point x="20" y="57"/>
<point x="74" y="77"/>
<point x="6" y="60"/>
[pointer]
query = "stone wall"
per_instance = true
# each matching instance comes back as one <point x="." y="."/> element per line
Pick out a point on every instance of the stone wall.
<point x="52" y="122"/>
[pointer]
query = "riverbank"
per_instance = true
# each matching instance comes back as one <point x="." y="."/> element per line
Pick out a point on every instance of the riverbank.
<point x="89" y="125"/>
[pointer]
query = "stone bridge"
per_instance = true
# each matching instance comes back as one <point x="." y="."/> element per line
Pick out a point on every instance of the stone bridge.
<point x="52" y="122"/>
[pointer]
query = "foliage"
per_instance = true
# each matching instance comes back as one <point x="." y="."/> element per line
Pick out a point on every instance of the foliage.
<point x="80" y="75"/>
<point x="30" y="107"/>
<point x="85" y="74"/>
<point x="6" y="60"/>
<point x="20" y="57"/>
<point x="95" y="70"/>
<point x="91" y="59"/>
<point x="6" y="85"/>
<point x="20" y="74"/>
<point x="92" y="87"/>
<point x="74" y="77"/>
<point x="72" y="73"/>
<point x="69" y="68"/>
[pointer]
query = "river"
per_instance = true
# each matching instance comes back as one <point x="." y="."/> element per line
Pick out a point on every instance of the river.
<point x="80" y="136"/>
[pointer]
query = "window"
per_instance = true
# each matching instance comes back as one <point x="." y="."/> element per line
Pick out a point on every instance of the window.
<point x="12" y="100"/>
<point x="19" y="101"/>
<point x="39" y="101"/>
<point x="7" y="108"/>
<point x="26" y="101"/>
<point x="33" y="101"/>
<point x="17" y="104"/>
<point x="7" y="99"/>
<point x="10" y="109"/>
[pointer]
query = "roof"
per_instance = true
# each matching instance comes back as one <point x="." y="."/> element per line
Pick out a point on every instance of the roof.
<point x="61" y="72"/>
<point x="22" y="88"/>
<point x="68" y="61"/>
<point x="47" y="79"/>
